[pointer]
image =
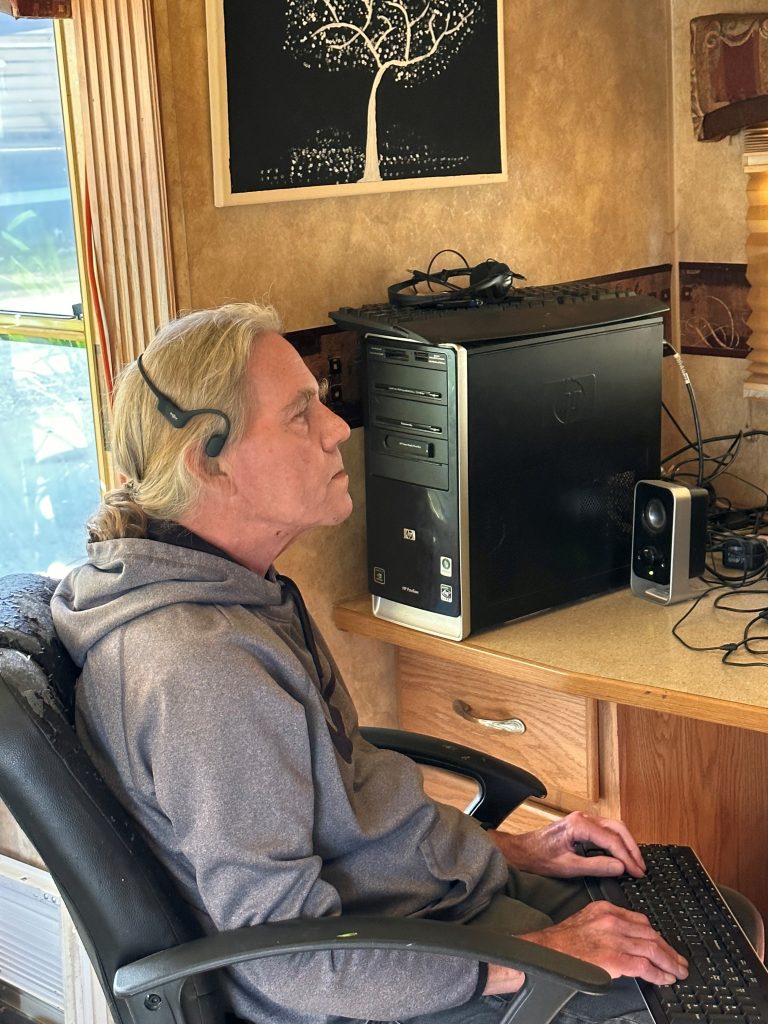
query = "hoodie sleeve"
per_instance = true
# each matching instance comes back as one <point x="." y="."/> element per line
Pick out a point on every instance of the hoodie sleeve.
<point x="227" y="751"/>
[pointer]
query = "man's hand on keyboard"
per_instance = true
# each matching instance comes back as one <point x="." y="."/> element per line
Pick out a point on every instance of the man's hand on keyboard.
<point x="620" y="941"/>
<point x="552" y="850"/>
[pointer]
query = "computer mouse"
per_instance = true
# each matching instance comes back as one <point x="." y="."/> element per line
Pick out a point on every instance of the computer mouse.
<point x="590" y="850"/>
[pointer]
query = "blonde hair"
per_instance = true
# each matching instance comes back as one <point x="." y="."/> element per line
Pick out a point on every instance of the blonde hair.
<point x="199" y="361"/>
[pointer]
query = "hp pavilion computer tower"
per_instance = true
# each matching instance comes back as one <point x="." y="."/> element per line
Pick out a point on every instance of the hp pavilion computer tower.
<point x="503" y="445"/>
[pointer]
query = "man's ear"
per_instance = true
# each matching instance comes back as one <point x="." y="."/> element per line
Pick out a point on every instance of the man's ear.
<point x="211" y="474"/>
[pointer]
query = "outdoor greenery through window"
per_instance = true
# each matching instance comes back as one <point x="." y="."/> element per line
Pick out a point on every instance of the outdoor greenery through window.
<point x="49" y="480"/>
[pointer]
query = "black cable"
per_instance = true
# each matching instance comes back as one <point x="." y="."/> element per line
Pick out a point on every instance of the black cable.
<point x="734" y="447"/>
<point x="725" y="504"/>
<point x="718" y="536"/>
<point x="750" y="640"/>
<point x="699" y="445"/>
<point x="718" y="603"/>
<point x="755" y="513"/>
<point x="694" y="409"/>
<point x="445" y="284"/>
<point x="681" y="620"/>
<point x="728" y="649"/>
<point x="680" y="430"/>
<point x="744" y="579"/>
<point x="723" y="460"/>
<point x="745" y="643"/>
<point x="709" y="477"/>
<point x="743" y="480"/>
<point x="710" y="440"/>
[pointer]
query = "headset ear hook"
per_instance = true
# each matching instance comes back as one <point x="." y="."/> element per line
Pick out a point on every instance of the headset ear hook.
<point x="179" y="417"/>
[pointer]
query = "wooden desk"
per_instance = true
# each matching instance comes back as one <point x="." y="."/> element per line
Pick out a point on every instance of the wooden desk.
<point x="671" y="740"/>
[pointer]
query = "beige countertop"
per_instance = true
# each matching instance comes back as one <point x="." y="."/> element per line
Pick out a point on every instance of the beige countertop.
<point x="614" y="647"/>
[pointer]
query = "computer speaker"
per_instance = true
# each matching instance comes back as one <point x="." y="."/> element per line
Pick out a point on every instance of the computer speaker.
<point x="669" y="535"/>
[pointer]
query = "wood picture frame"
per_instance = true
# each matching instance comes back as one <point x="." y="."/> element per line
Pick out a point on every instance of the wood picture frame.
<point x="403" y="94"/>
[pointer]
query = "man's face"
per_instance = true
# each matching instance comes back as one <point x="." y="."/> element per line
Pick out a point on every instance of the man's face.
<point x="287" y="469"/>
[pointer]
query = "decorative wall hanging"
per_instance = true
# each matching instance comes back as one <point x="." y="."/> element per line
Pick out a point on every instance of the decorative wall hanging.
<point x="714" y="309"/>
<point x="37" y="8"/>
<point x="339" y="97"/>
<point x="729" y="73"/>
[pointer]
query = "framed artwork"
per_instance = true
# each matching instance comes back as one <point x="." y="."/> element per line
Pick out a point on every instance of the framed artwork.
<point x="315" y="98"/>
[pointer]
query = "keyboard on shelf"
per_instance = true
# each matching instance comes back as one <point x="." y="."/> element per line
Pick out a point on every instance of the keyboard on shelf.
<point x="525" y="311"/>
<point x="727" y="983"/>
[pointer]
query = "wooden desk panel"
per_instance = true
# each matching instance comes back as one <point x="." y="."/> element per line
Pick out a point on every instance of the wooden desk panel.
<point x="700" y="784"/>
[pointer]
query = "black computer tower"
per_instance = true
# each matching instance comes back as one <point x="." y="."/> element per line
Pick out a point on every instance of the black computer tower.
<point x="500" y="471"/>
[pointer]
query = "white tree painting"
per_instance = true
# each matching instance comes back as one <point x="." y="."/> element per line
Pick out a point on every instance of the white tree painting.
<point x="405" y="39"/>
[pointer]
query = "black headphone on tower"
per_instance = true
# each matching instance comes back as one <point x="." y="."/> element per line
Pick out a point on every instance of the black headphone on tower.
<point x="489" y="282"/>
<point x="179" y="417"/>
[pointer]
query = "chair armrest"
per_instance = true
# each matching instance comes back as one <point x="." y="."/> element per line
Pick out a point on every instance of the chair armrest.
<point x="503" y="786"/>
<point x="154" y="983"/>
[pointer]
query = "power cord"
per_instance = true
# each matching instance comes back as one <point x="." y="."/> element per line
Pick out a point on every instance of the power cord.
<point x="747" y="641"/>
<point x="694" y="411"/>
<point x="723" y="460"/>
<point x="681" y="432"/>
<point x="726" y="548"/>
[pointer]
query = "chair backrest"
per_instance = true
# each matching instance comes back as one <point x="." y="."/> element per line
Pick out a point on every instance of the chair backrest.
<point x="123" y="903"/>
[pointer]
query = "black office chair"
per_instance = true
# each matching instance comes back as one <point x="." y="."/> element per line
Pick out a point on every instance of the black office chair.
<point x="153" y="961"/>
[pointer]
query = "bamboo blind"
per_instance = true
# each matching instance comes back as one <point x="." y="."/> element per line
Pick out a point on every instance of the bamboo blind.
<point x="124" y="172"/>
<point x="756" y="383"/>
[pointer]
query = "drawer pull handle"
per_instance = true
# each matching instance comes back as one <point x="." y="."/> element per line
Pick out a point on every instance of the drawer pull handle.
<point x="502" y="724"/>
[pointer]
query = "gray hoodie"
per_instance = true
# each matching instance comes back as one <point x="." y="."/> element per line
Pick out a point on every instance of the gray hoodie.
<point x="200" y="703"/>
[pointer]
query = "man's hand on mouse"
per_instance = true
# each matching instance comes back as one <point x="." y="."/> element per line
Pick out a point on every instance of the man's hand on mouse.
<point x="553" y="850"/>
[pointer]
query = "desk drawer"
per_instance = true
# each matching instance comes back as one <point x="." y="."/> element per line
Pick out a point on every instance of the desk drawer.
<point x="559" y="743"/>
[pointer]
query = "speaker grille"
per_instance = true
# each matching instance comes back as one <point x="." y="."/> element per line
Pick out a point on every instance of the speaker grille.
<point x="608" y="503"/>
<point x="620" y="500"/>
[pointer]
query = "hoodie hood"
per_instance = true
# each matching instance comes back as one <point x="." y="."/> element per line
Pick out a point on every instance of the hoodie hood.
<point x="128" y="578"/>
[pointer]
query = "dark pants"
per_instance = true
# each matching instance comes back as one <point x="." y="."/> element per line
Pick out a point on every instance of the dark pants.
<point x="622" y="1004"/>
<point x="531" y="903"/>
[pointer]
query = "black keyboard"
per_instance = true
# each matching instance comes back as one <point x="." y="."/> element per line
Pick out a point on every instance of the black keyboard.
<point x="727" y="983"/>
<point x="525" y="312"/>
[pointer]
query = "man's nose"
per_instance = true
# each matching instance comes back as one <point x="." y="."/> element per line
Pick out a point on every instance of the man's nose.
<point x="336" y="430"/>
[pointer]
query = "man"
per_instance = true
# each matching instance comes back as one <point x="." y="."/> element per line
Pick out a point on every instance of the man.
<point x="217" y="715"/>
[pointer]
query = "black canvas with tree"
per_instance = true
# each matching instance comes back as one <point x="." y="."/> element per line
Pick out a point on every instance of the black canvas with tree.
<point x="329" y="93"/>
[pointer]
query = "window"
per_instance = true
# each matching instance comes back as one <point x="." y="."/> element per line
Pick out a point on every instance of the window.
<point x="49" y="461"/>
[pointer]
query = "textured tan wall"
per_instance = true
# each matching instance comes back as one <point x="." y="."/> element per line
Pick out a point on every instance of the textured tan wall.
<point x="588" y="193"/>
